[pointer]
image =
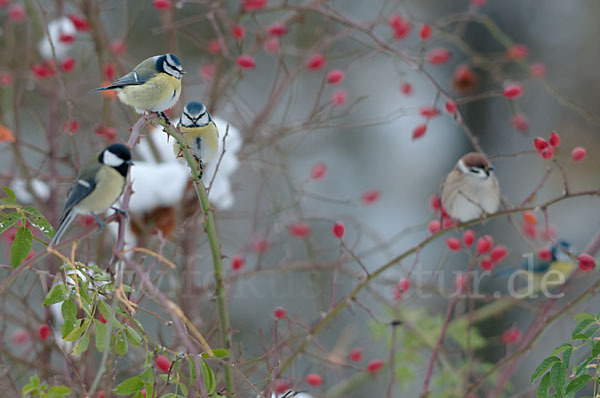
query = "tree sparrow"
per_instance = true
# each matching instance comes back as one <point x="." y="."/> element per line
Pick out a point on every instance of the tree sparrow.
<point x="470" y="190"/>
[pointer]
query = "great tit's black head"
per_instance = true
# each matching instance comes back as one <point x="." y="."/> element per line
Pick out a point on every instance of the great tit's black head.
<point x="194" y="114"/>
<point x="476" y="164"/>
<point x="117" y="156"/>
<point x="169" y="64"/>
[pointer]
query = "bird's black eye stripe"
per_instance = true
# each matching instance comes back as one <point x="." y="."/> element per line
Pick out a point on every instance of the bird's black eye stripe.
<point x="188" y="116"/>
<point x="178" y="68"/>
<point x="193" y="119"/>
<point x="474" y="170"/>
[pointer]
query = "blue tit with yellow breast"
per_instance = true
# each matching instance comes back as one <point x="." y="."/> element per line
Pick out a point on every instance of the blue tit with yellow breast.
<point x="200" y="133"/>
<point x="152" y="86"/>
<point x="99" y="184"/>
<point x="546" y="274"/>
<point x="555" y="271"/>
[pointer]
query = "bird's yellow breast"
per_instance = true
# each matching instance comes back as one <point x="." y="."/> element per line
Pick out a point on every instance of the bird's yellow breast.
<point x="203" y="141"/>
<point x="108" y="189"/>
<point x="156" y="95"/>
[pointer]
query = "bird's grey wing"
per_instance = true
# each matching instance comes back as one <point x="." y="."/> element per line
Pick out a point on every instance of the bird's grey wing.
<point x="82" y="187"/>
<point x="80" y="190"/>
<point x="143" y="72"/>
<point x="130" y="79"/>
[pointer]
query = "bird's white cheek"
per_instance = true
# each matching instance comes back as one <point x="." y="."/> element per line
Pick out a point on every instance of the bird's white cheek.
<point x="110" y="159"/>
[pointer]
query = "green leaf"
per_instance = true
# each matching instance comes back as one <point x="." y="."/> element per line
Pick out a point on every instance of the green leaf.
<point x="582" y="326"/>
<point x="104" y="309"/>
<point x="133" y="336"/>
<point x="78" y="330"/>
<point x="82" y="344"/>
<point x="209" y="377"/>
<point x="67" y="327"/>
<point x="542" y="367"/>
<point x="583" y="365"/>
<point x="148" y="377"/>
<point x="561" y="348"/>
<point x="129" y="386"/>
<point x="83" y="288"/>
<point x="33" y="386"/>
<point x="9" y="220"/>
<point x="69" y="310"/>
<point x="21" y="246"/>
<point x="57" y="294"/>
<point x="192" y="367"/>
<point x="100" y="330"/>
<point x="557" y="376"/>
<point x="596" y="349"/>
<point x="578" y="383"/>
<point x="583" y="316"/>
<point x="120" y="343"/>
<point x="102" y="277"/>
<point x="28" y="389"/>
<point x="184" y="390"/>
<point x="586" y="334"/>
<point x="39" y="221"/>
<point x="542" y="391"/>
<point x="59" y="390"/>
<point x="218" y="352"/>
<point x="567" y="357"/>
<point x="9" y="192"/>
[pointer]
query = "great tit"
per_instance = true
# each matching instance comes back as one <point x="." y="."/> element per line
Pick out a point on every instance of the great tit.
<point x="99" y="184"/>
<point x="152" y="86"/>
<point x="199" y="131"/>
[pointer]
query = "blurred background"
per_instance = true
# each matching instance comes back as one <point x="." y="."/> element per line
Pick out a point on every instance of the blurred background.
<point x="310" y="154"/>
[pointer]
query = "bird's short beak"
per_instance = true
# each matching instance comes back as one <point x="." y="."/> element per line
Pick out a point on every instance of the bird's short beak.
<point x="129" y="162"/>
<point x="183" y="72"/>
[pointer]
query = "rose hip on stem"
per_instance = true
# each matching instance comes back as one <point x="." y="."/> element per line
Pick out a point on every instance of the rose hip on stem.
<point x="314" y="379"/>
<point x="279" y="313"/>
<point x="356" y="355"/>
<point x="453" y="244"/>
<point x="163" y="363"/>
<point x="374" y="365"/>
<point x="338" y="230"/>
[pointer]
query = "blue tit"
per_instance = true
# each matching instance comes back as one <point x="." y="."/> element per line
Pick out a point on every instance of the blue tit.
<point x="99" y="184"/>
<point x="553" y="272"/>
<point x="152" y="86"/>
<point x="200" y="133"/>
<point x="545" y="273"/>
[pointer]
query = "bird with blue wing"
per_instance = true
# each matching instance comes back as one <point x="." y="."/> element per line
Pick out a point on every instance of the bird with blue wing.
<point x="152" y="86"/>
<point x="200" y="133"/>
<point x="551" y="268"/>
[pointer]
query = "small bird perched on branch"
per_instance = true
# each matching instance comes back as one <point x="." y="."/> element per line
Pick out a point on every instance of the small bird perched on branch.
<point x="99" y="184"/>
<point x="200" y="133"/>
<point x="152" y="86"/>
<point x="470" y="190"/>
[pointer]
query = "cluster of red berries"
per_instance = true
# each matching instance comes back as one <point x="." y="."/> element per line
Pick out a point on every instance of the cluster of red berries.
<point x="547" y="148"/>
<point x="436" y="225"/>
<point x="488" y="254"/>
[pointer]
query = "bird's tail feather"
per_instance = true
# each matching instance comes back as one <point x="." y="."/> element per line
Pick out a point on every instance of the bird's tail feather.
<point x="62" y="227"/>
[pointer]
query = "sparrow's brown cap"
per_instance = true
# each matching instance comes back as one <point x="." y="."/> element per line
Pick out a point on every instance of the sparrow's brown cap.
<point x="475" y="159"/>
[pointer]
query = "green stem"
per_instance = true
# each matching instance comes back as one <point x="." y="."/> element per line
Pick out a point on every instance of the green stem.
<point x="215" y="247"/>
